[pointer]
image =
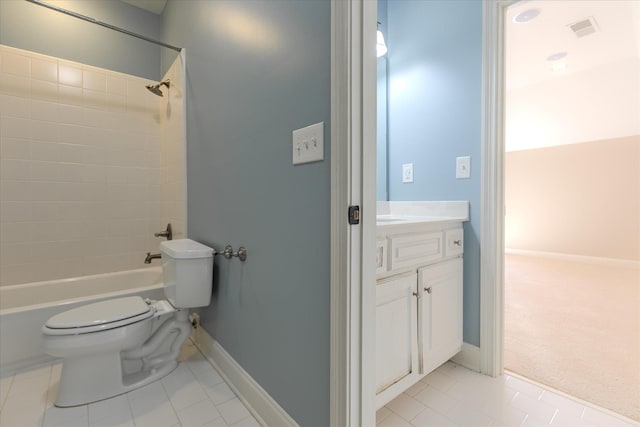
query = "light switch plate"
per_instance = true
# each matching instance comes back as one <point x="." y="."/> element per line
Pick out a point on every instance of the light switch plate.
<point x="407" y="172"/>
<point x="463" y="167"/>
<point x="308" y="144"/>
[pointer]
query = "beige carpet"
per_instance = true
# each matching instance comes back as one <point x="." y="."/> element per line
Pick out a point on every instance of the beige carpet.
<point x="576" y="328"/>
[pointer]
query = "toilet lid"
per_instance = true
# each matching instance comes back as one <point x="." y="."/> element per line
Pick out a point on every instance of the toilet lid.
<point x="102" y="314"/>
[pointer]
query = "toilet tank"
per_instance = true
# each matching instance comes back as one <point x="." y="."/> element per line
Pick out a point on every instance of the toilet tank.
<point x="187" y="269"/>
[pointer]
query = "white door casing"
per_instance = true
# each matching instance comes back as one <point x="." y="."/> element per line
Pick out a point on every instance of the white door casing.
<point x="353" y="182"/>
<point x="353" y="100"/>
<point x="492" y="190"/>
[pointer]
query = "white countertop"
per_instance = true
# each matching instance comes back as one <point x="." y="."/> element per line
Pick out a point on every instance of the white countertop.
<point x="407" y="215"/>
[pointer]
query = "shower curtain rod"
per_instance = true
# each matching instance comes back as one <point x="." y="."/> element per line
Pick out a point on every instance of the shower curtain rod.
<point x="103" y="24"/>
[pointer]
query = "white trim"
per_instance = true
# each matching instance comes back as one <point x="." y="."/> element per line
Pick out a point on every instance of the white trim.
<point x="261" y="405"/>
<point x="492" y="191"/>
<point x="353" y="115"/>
<point x="612" y="262"/>
<point x="469" y="357"/>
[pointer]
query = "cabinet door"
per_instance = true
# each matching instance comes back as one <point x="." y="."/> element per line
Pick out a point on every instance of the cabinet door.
<point x="396" y="330"/>
<point x="440" y="289"/>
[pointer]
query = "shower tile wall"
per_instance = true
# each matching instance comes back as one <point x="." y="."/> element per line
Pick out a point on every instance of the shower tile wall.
<point x="173" y="142"/>
<point x="80" y="169"/>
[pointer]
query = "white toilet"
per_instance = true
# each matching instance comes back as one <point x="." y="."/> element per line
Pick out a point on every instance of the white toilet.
<point x="115" y="346"/>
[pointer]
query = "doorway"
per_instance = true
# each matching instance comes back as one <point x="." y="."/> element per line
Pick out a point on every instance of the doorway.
<point x="572" y="143"/>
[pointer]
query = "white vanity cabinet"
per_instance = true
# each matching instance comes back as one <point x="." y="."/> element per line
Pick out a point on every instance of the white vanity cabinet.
<point x="440" y="290"/>
<point x="396" y="332"/>
<point x="418" y="300"/>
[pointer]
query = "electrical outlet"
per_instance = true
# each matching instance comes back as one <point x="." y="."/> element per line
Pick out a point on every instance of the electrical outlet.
<point x="407" y="172"/>
<point x="308" y="144"/>
<point x="463" y="167"/>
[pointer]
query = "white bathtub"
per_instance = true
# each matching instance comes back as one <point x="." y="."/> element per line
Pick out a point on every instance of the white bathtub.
<point x="25" y="308"/>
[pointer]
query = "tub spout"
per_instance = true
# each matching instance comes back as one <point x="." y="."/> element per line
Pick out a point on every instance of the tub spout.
<point x="150" y="257"/>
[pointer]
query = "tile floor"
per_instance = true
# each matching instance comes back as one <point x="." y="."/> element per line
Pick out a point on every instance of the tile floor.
<point x="455" y="396"/>
<point x="194" y="394"/>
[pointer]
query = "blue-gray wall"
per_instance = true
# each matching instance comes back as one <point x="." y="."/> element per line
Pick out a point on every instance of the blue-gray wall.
<point x="257" y="70"/>
<point x="31" y="27"/>
<point x="435" y="85"/>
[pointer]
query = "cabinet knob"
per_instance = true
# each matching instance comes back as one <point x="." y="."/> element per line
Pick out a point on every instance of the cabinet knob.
<point x="457" y="242"/>
<point x="415" y="294"/>
<point x="428" y="290"/>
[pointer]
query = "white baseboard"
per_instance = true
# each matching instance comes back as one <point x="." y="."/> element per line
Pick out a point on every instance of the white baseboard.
<point x="262" y="406"/>
<point x="469" y="357"/>
<point x="614" y="262"/>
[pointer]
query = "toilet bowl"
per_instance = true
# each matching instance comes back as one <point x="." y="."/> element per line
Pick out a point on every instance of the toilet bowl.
<point x="115" y="346"/>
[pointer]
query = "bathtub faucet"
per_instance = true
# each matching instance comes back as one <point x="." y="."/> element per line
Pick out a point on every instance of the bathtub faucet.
<point x="151" y="256"/>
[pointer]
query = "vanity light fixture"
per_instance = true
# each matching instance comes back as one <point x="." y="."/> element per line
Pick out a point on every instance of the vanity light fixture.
<point x="381" y="46"/>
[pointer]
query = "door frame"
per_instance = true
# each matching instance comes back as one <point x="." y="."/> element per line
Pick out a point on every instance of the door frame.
<point x="492" y="187"/>
<point x="353" y="164"/>
<point x="353" y="100"/>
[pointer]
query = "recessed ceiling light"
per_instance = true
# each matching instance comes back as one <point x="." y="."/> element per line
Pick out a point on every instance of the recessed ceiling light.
<point x="526" y="16"/>
<point x="557" y="56"/>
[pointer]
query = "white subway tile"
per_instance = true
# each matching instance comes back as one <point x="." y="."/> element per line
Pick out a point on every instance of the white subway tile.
<point x="93" y="118"/>
<point x="45" y="131"/>
<point x="13" y="275"/>
<point x="44" y="91"/>
<point x="72" y="134"/>
<point x="44" y="231"/>
<point x="44" y="110"/>
<point x="46" y="171"/>
<point x="45" y="191"/>
<point x="15" y="232"/>
<point x="13" y="127"/>
<point x="45" y="151"/>
<point x="71" y="114"/>
<point x="115" y="103"/>
<point x="15" y="190"/>
<point x="70" y="95"/>
<point x="15" y="253"/>
<point x="93" y="173"/>
<point x="44" y="70"/>
<point x="15" y="148"/>
<point x="15" y="106"/>
<point x="13" y="169"/>
<point x="15" y="211"/>
<point x="15" y="85"/>
<point x="19" y="65"/>
<point x="94" y="80"/>
<point x="69" y="75"/>
<point x="94" y="99"/>
<point x="72" y="153"/>
<point x="44" y="211"/>
<point x="116" y="85"/>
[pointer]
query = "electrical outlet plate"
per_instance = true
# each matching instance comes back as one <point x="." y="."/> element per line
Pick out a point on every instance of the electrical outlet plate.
<point x="407" y="172"/>
<point x="463" y="167"/>
<point x="308" y="144"/>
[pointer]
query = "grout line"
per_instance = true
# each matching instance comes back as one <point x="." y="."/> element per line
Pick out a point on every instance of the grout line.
<point x="575" y="399"/>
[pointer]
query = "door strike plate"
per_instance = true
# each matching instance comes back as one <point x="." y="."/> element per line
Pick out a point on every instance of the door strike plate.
<point x="354" y="215"/>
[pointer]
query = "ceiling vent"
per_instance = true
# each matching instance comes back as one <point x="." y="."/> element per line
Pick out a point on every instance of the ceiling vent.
<point x="584" y="27"/>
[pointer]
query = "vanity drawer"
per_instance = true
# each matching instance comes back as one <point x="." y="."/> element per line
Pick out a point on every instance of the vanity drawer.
<point x="381" y="256"/>
<point x="454" y="242"/>
<point x="414" y="249"/>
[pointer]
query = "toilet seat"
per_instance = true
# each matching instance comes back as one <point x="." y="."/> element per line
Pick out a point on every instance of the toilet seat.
<point x="100" y="316"/>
